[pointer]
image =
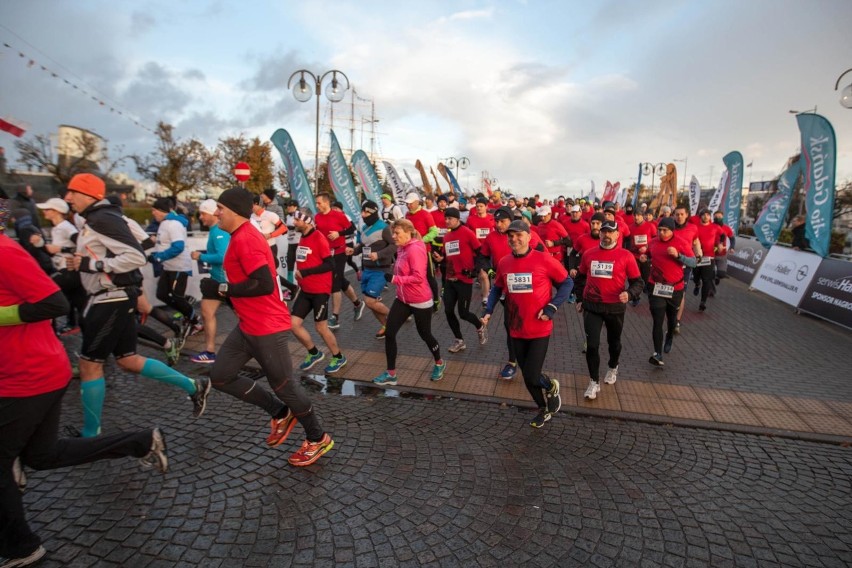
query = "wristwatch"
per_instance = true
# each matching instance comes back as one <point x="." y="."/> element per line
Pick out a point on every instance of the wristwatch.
<point x="223" y="289"/>
<point x="99" y="266"/>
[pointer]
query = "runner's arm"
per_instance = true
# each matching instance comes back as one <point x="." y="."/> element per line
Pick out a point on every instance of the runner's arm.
<point x="326" y="265"/>
<point x="258" y="283"/>
<point x="50" y="307"/>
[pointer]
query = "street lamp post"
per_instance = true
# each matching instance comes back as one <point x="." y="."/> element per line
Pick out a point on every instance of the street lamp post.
<point x="457" y="163"/>
<point x="846" y="93"/>
<point x="651" y="169"/>
<point x="335" y="90"/>
<point x="809" y="111"/>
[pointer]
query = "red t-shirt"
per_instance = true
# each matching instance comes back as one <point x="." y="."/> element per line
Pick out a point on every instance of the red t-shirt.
<point x="642" y="235"/>
<point x="708" y="236"/>
<point x="422" y="220"/>
<point x="481" y="226"/>
<point x="459" y="247"/>
<point x="553" y="231"/>
<point x="574" y="230"/>
<point x="688" y="233"/>
<point x="330" y="222"/>
<point x="587" y="215"/>
<point x="723" y="241"/>
<point x="259" y="315"/>
<point x="34" y="361"/>
<point x="607" y="271"/>
<point x="585" y="242"/>
<point x="496" y="246"/>
<point x="666" y="269"/>
<point x="528" y="283"/>
<point x="310" y="250"/>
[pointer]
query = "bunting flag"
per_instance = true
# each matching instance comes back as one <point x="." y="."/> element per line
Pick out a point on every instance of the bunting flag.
<point x="341" y="181"/>
<point x="771" y="219"/>
<point x="609" y="192"/>
<point x="694" y="194"/>
<point x="488" y="189"/>
<point x="367" y="176"/>
<point x="437" y="185"/>
<point x="395" y="183"/>
<point x="638" y="186"/>
<point x="453" y="183"/>
<point x="734" y="199"/>
<point x="592" y="197"/>
<point x="819" y="148"/>
<point x="427" y="187"/>
<point x="299" y="187"/>
<point x="32" y="63"/>
<point x="719" y="194"/>
<point x="442" y="169"/>
<point x="13" y="127"/>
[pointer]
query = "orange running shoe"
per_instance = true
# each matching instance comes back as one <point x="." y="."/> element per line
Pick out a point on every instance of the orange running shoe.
<point x="281" y="428"/>
<point x="311" y="451"/>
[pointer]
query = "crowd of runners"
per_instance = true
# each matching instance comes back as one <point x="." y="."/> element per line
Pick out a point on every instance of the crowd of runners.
<point x="413" y="259"/>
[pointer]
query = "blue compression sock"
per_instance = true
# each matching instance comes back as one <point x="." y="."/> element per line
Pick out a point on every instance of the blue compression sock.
<point x="92" y="395"/>
<point x="159" y="371"/>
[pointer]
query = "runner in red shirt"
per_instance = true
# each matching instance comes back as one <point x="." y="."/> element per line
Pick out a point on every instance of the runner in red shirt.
<point x="313" y="269"/>
<point x="553" y="234"/>
<point x="336" y="226"/>
<point x="709" y="235"/>
<point x="527" y="278"/>
<point x="642" y="234"/>
<point x="460" y="249"/>
<point x="261" y="334"/>
<point x="608" y="278"/>
<point x="722" y="247"/>
<point x="437" y="245"/>
<point x="481" y="222"/>
<point x="668" y="256"/>
<point x="623" y="231"/>
<point x="688" y="233"/>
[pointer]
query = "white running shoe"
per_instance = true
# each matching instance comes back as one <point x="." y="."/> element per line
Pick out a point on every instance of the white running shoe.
<point x="458" y="345"/>
<point x="611" y="376"/>
<point x="592" y="391"/>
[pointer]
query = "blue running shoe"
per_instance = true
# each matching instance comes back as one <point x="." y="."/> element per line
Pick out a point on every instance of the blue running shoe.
<point x="509" y="370"/>
<point x="336" y="364"/>
<point x="385" y="379"/>
<point x="311" y="360"/>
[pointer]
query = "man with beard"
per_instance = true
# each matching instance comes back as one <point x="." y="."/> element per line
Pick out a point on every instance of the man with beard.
<point x="607" y="279"/>
<point x="709" y="234"/>
<point x="377" y="250"/>
<point x="642" y="233"/>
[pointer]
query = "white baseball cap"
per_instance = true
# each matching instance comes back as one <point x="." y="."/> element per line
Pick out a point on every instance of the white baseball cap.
<point x="54" y="203"/>
<point x="412" y="198"/>
<point x="575" y="208"/>
<point x="543" y="210"/>
<point x="208" y="206"/>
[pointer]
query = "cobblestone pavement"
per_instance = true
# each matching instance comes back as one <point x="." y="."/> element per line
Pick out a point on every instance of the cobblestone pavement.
<point x="441" y="483"/>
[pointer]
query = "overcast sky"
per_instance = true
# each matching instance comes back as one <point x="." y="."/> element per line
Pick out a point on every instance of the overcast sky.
<point x="544" y="95"/>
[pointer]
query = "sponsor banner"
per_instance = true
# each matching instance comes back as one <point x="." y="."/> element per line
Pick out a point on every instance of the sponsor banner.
<point x="367" y="176"/>
<point x="786" y="273"/>
<point x="745" y="260"/>
<point x="819" y="148"/>
<point x="296" y="177"/>
<point x="830" y="294"/>
<point x="694" y="195"/>
<point x="771" y="218"/>
<point x="341" y="182"/>
<point x="395" y="183"/>
<point x="733" y="199"/>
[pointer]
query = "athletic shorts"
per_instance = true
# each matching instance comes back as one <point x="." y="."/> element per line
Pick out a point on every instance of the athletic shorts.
<point x="372" y="283"/>
<point x="213" y="296"/>
<point x="109" y="329"/>
<point x="304" y="303"/>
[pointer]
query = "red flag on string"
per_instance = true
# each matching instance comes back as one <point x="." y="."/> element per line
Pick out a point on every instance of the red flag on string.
<point x="6" y="125"/>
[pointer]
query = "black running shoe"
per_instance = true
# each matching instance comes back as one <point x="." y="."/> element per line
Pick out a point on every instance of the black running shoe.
<point x="540" y="418"/>
<point x="554" y="401"/>
<point x="656" y="360"/>
<point x="199" y="399"/>
<point x="667" y="346"/>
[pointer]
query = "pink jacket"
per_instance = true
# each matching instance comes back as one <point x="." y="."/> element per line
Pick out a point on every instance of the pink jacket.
<point x="409" y="273"/>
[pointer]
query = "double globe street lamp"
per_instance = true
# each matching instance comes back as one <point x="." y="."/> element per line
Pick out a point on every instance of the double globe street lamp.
<point x="303" y="90"/>
<point x="456" y="163"/>
<point x="653" y="169"/>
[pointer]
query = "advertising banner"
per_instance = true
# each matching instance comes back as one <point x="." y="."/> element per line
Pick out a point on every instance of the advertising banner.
<point x="341" y="181"/>
<point x="367" y="176"/>
<point x="830" y="294"/>
<point x="298" y="180"/>
<point x="771" y="218"/>
<point x="733" y="199"/>
<point x="745" y="260"/>
<point x="819" y="149"/>
<point x="786" y="273"/>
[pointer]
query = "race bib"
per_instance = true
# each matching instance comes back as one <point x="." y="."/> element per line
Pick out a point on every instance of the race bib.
<point x="602" y="269"/>
<point x="519" y="282"/>
<point x="640" y="240"/>
<point x="663" y="290"/>
<point x="302" y="253"/>
<point x="482" y="233"/>
<point x="365" y="253"/>
<point x="705" y="261"/>
<point x="442" y="232"/>
<point x="452" y="248"/>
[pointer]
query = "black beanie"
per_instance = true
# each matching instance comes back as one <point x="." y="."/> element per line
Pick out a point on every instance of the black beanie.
<point x="163" y="204"/>
<point x="237" y="200"/>
<point x="667" y="223"/>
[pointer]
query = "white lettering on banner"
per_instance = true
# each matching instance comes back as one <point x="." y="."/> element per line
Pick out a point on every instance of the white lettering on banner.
<point x="845" y="304"/>
<point x="843" y="284"/>
<point x="791" y="287"/>
<point x="738" y="266"/>
<point x="519" y="282"/>
<point x="602" y="269"/>
<point x="821" y="195"/>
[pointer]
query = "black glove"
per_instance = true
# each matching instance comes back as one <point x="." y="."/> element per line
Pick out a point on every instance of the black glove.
<point x="209" y="288"/>
<point x="388" y="277"/>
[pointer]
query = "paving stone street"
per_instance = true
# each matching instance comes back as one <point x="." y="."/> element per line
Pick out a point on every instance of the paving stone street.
<point x="435" y="480"/>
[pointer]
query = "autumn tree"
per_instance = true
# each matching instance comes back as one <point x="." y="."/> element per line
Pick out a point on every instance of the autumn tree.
<point x="257" y="154"/>
<point x="176" y="165"/>
<point x="87" y="153"/>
